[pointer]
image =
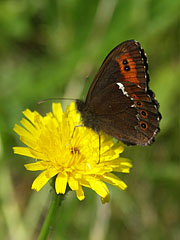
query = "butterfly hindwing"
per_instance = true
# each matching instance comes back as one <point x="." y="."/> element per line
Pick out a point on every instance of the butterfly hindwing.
<point x="118" y="116"/>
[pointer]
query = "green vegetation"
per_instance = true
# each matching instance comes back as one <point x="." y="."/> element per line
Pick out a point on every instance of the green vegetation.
<point x="48" y="49"/>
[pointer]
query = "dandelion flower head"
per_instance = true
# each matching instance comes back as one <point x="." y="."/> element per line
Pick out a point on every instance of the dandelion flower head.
<point x="70" y="154"/>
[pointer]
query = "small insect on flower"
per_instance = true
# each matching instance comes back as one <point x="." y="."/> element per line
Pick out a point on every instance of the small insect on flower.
<point x="73" y="160"/>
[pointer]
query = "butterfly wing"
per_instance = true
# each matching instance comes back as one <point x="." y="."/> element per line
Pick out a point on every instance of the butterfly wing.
<point x="126" y="54"/>
<point x="117" y="115"/>
<point x="120" y="98"/>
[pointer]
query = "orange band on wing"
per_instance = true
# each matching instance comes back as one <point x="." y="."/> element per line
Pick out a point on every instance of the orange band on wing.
<point x="127" y="68"/>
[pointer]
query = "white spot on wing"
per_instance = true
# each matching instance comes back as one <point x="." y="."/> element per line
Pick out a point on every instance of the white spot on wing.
<point x="121" y="86"/>
<point x="137" y="116"/>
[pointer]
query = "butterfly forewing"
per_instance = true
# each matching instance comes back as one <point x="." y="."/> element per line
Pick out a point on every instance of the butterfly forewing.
<point x="126" y="54"/>
<point x="119" y="101"/>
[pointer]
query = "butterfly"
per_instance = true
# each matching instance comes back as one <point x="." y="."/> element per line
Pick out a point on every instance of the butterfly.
<point x="119" y="101"/>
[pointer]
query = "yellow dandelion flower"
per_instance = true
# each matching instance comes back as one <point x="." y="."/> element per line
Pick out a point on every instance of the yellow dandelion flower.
<point x="74" y="160"/>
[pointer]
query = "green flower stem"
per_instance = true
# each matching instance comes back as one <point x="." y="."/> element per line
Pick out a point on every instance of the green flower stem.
<point x="51" y="215"/>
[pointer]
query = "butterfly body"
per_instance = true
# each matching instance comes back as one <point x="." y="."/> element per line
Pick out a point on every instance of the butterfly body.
<point x="119" y="101"/>
<point x="89" y="118"/>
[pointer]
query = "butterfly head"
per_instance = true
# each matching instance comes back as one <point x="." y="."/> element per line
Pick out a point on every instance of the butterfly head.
<point x="89" y="118"/>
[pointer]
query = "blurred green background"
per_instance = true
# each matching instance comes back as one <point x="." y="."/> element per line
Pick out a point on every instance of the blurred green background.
<point x="49" y="49"/>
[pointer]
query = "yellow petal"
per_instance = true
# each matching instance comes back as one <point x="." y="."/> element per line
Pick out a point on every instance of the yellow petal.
<point x="73" y="183"/>
<point x="106" y="199"/>
<point x="21" y="131"/>
<point x="29" y="115"/>
<point x="80" y="193"/>
<point x="23" y="151"/>
<point x="114" y="180"/>
<point x="38" y="155"/>
<point x="61" y="183"/>
<point x="99" y="187"/>
<point x="40" y="165"/>
<point x="122" y="169"/>
<point x="29" y="141"/>
<point x="57" y="110"/>
<point x="51" y="172"/>
<point x="29" y="126"/>
<point x="40" y="181"/>
<point x="43" y="178"/>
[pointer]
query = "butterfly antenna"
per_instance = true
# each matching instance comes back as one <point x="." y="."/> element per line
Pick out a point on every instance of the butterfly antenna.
<point x="56" y="99"/>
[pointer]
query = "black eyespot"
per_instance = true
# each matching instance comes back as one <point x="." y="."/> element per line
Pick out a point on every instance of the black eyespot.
<point x="134" y="96"/>
<point x="125" y="62"/>
<point x="126" y="68"/>
<point x="143" y="113"/>
<point x="139" y="103"/>
<point x="143" y="125"/>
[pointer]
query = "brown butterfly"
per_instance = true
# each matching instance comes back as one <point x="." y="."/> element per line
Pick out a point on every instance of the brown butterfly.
<point x="119" y="101"/>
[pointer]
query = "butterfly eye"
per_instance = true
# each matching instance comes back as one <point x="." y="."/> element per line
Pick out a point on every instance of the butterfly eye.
<point x="143" y="125"/>
<point x="143" y="113"/>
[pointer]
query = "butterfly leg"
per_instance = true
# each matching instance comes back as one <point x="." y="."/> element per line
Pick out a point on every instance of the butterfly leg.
<point x="80" y="125"/>
<point x="99" y="146"/>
